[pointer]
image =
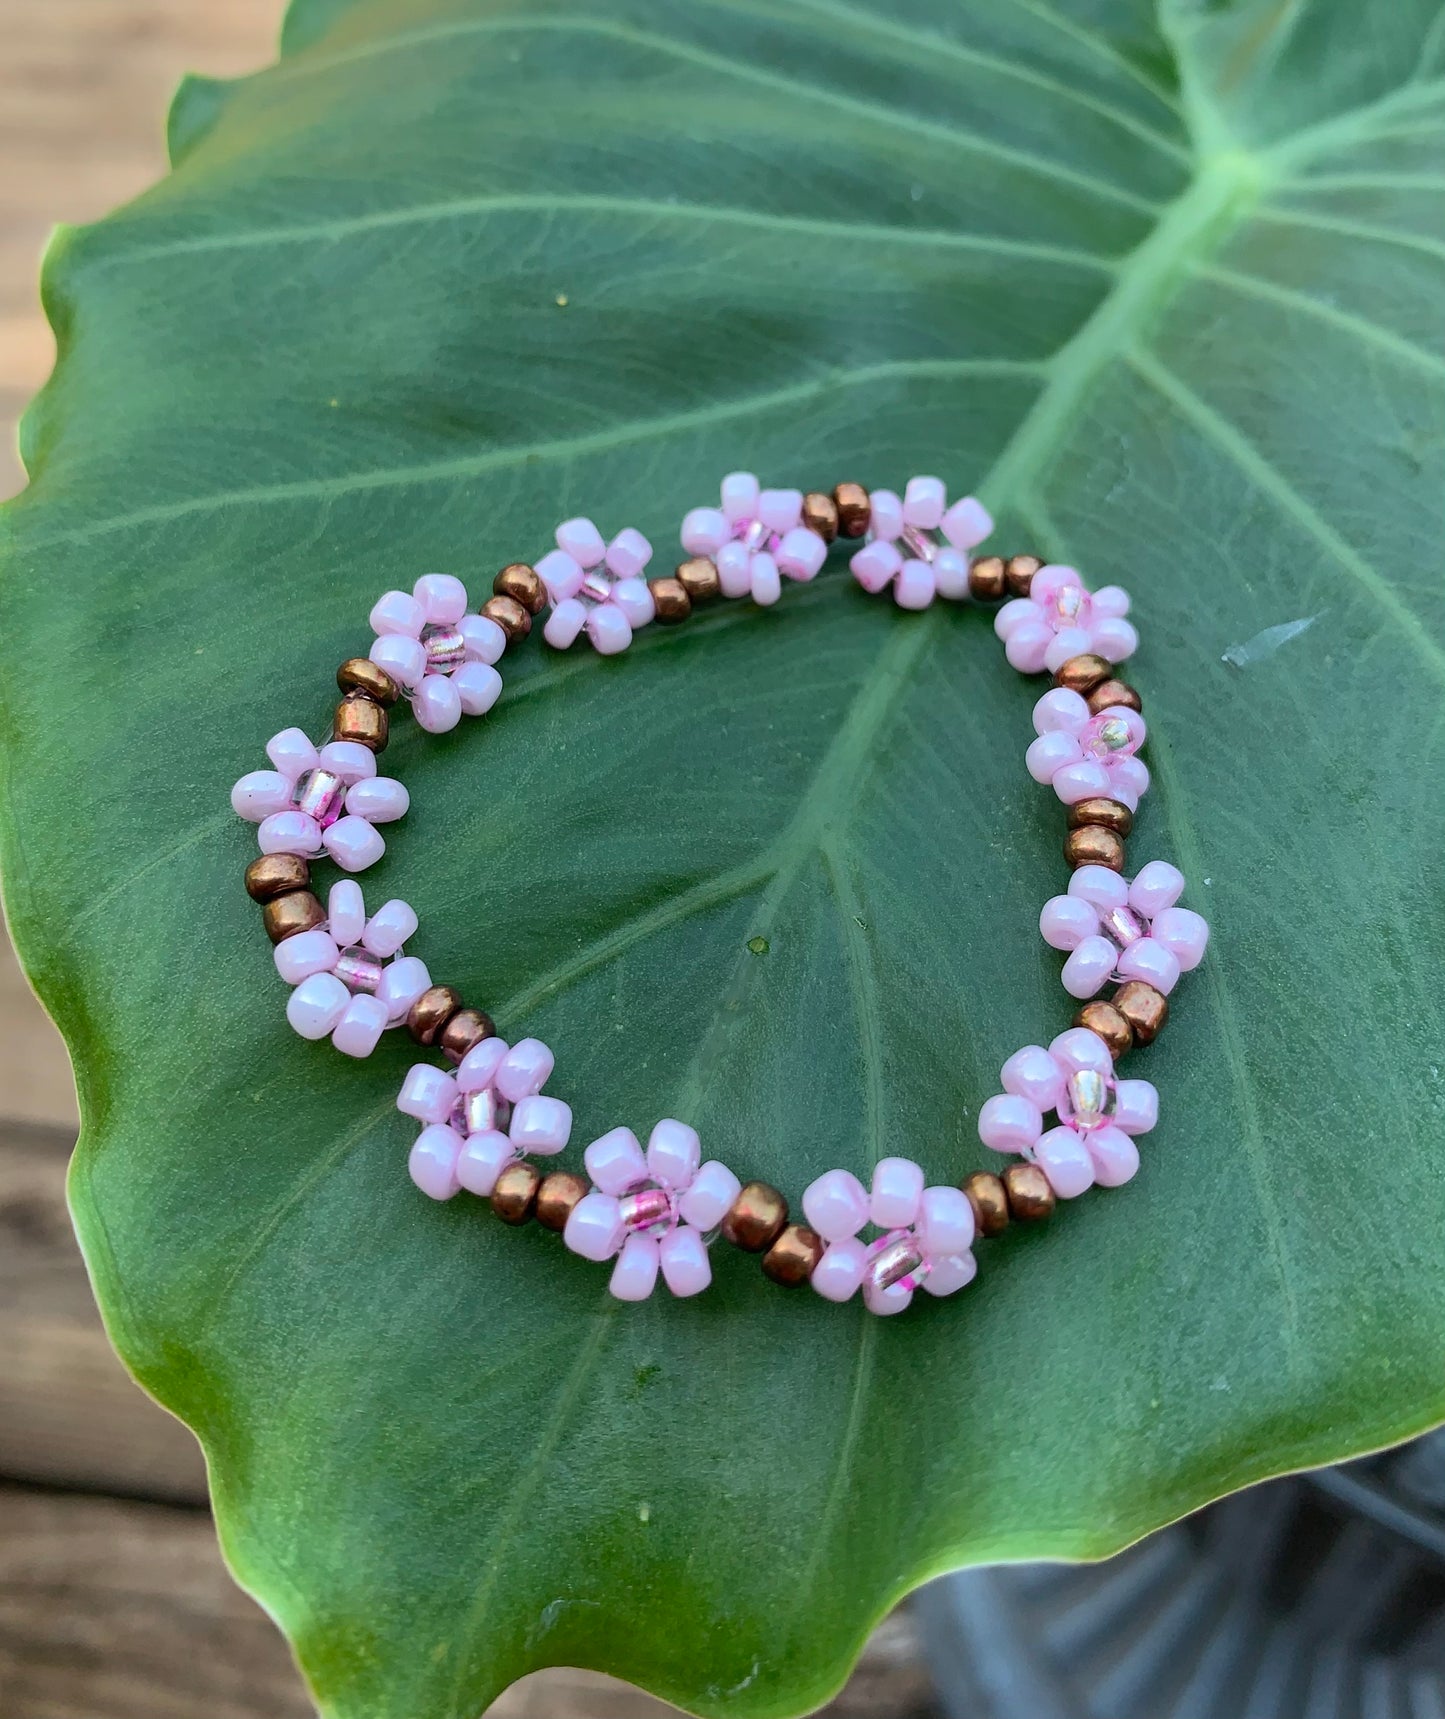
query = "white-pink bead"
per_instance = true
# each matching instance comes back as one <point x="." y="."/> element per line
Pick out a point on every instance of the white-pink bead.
<point x="562" y="575"/>
<point x="526" y="1068"/>
<point x="1086" y="780"/>
<point x="433" y="1162"/>
<point x="1076" y="1048"/>
<point x="261" y="794"/>
<point x="1129" y="781"/>
<point x="362" y="1023"/>
<point x="478" y="1068"/>
<point x="581" y="539"/>
<point x="740" y="496"/>
<point x="712" y="1191"/>
<point x="628" y="553"/>
<point x="397" y="613"/>
<point x="403" y="658"/>
<point x="734" y="570"/>
<point x="839" y="1272"/>
<point x="1026" y="646"/>
<point x="895" y="1194"/>
<point x="686" y="1269"/>
<point x="1033" y="1074"/>
<point x="428" y="1093"/>
<point x="945" y="1222"/>
<point x="1151" y="962"/>
<point x="950" y="574"/>
<point x="1008" y="1123"/>
<point x="1100" y="887"/>
<point x="780" y="509"/>
<point x="608" y="629"/>
<point x="308" y="952"/>
<point x="388" y="928"/>
<point x="483" y="1158"/>
<point x="316" y="1005"/>
<point x="615" y="1161"/>
<point x="402" y="982"/>
<point x="353" y="843"/>
<point x="478" y="687"/>
<point x="443" y="598"/>
<point x="705" y="530"/>
<point x="594" y="1227"/>
<point x="1064" y="1158"/>
<point x="348" y="759"/>
<point x="1090" y="964"/>
<point x="289" y="833"/>
<point x="1183" y="933"/>
<point x="345" y="911"/>
<point x="564" y="623"/>
<point x="967" y="523"/>
<point x="885" y="514"/>
<point x="1061" y="709"/>
<point x="1158" y="885"/>
<point x="674" y="1153"/>
<point x="766" y="583"/>
<point x="801" y="553"/>
<point x="923" y="503"/>
<point x="1050" y="753"/>
<point x="1114" y="640"/>
<point x="381" y="800"/>
<point x="1136" y="1106"/>
<point x="483" y="638"/>
<point x="1066" y="921"/>
<point x="950" y="1273"/>
<point x="913" y="588"/>
<point x="875" y="564"/>
<point x="635" y="1275"/>
<point x="894" y="1299"/>
<point x="437" y="704"/>
<point x="541" y="1125"/>
<point x="292" y="753"/>
<point x="1070" y="642"/>
<point x="635" y="600"/>
<point x="1114" y="1154"/>
<point x="836" y="1205"/>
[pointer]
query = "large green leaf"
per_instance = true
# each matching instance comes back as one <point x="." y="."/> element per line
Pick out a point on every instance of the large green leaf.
<point x="1170" y="293"/>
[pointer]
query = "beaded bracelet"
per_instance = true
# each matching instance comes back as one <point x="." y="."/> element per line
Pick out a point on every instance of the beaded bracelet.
<point x="657" y="1210"/>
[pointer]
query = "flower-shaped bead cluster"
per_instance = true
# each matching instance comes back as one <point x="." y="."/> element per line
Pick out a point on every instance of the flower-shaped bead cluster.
<point x="925" y="1238"/>
<point x="1083" y="754"/>
<point x="756" y="537"/>
<point x="597" y="586"/>
<point x="1097" y="1114"/>
<point x="1060" y="618"/>
<point x="1114" y="929"/>
<point x="919" y="544"/>
<point x="482" y="1118"/>
<point x="351" y="977"/>
<point x="329" y="799"/>
<point x="439" y="655"/>
<point x="651" y="1211"/>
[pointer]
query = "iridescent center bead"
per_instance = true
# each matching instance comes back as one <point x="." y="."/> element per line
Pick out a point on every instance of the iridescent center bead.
<point x="754" y="535"/>
<point x="921" y="545"/>
<point x="1122" y="924"/>
<point x="895" y="1258"/>
<point x="358" y="969"/>
<point x="596" y="585"/>
<point x="1070" y="607"/>
<point x="320" y="793"/>
<point x="483" y="1112"/>
<point x="648" y="1209"/>
<point x="1088" y="1100"/>
<point x="445" y="648"/>
<point x="1109" y="737"/>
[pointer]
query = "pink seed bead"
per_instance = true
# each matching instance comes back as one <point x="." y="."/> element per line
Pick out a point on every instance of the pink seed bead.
<point x="950" y="574"/>
<point x="635" y="601"/>
<point x="594" y="1227"/>
<point x="525" y="1069"/>
<point x="875" y="564"/>
<point x="885" y="517"/>
<point x="1026" y="646"/>
<point x="967" y="523"/>
<point x="1050" y="753"/>
<point x="1090" y="966"/>
<point x="260" y="794"/>
<point x="478" y="1068"/>
<point x="348" y="759"/>
<point x="564" y="624"/>
<point x="353" y="843"/>
<point x="615" y="1161"/>
<point x="345" y="912"/>
<point x="1085" y="780"/>
<point x="428" y="1093"/>
<point x="1114" y="1154"/>
<point x="628" y="553"/>
<point x="635" y="1274"/>
<point x="1136" y="1106"/>
<point x="308" y="952"/>
<point x="437" y="704"/>
<point x="1110" y="601"/>
<point x="479" y="686"/>
<point x="316" y="1005"/>
<point x="401" y="984"/>
<point x="897" y="1190"/>
<point x="1128" y="781"/>
<point x="561" y="574"/>
<point x="442" y="597"/>
<point x="1070" y="642"/>
<point x="1013" y="615"/>
<point x="735" y="570"/>
<point x="581" y="539"/>
<point x="674" y="1153"/>
<point x="1183" y="933"/>
<point x="1151" y="962"/>
<point x="608" y="629"/>
<point x="1064" y="1158"/>
<point x="713" y="1190"/>
<point x="705" y="530"/>
<point x="801" y="554"/>
<point x="541" y="1125"/>
<point x="395" y="612"/>
<point x="382" y="800"/>
<point x="923" y="503"/>
<point x="766" y="584"/>
<point x="292" y="753"/>
<point x="1077" y="1048"/>
<point x="836" y="1205"/>
<point x="685" y="1266"/>
<point x="1033" y="1074"/>
<point x="359" y="1030"/>
<point x="1158" y="885"/>
<point x="1008" y="1123"/>
<point x="1100" y="887"/>
<point x="403" y="658"/>
<point x="433" y="1162"/>
<point x="780" y="509"/>
<point x="1114" y="640"/>
<point x="1061" y="708"/>
<point x="950" y="1273"/>
<point x="483" y="1159"/>
<point x="945" y="1223"/>
<point x="894" y="1299"/>
<point x="914" y="587"/>
<point x="740" y="496"/>
<point x="1066" y="921"/>
<point x="388" y="928"/>
<point x="483" y="638"/>
<point x="289" y="833"/>
<point x="839" y="1272"/>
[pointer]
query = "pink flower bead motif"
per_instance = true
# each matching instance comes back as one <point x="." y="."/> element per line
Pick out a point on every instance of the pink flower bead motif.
<point x="1115" y="929"/>
<point x="487" y="1114"/>
<point x="438" y="654"/>
<point x="1097" y="1114"/>
<point x="596" y="586"/>
<point x="1060" y="618"/>
<point x="366" y="984"/>
<point x="1083" y="755"/>
<point x="924" y="1241"/>
<point x="320" y="800"/>
<point x="651" y="1211"/>
<point x="918" y="544"/>
<point x="756" y="537"/>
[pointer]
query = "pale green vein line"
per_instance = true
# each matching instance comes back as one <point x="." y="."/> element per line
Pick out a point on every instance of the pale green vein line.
<point x="1368" y="232"/>
<point x="1272" y="483"/>
<point x="744" y="71"/>
<point x="1429" y="47"/>
<point x="567" y="447"/>
<point x="197" y="833"/>
<point x="656" y="209"/>
<point x="1290" y="298"/>
<point x="1100" y="45"/>
<point x="862" y="985"/>
<point x="1315" y="182"/>
<point x="1356" y="125"/>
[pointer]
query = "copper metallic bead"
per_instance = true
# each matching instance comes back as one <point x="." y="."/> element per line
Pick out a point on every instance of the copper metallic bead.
<point x="820" y="514"/>
<point x="524" y="584"/>
<point x="467" y="1027"/>
<point x="556" y="1197"/>
<point x="361" y="674"/>
<point x="756" y="1218"/>
<point x="1110" y="814"/>
<point x="791" y="1258"/>
<point x="510" y="616"/>
<point x="286" y="915"/>
<point x="514" y="1198"/>
<point x="1105" y="1020"/>
<point x="1092" y="844"/>
<point x="699" y="578"/>
<point x="987" y="580"/>
<point x="1020" y="573"/>
<point x="361" y="718"/>
<point x="670" y="599"/>
<point x="1082" y="673"/>
<point x="431" y="1012"/>
<point x="270" y="875"/>
<point x="1113" y="691"/>
<point x="1030" y="1198"/>
<point x="854" y="509"/>
<point x="989" y="1201"/>
<point x="1145" y="1009"/>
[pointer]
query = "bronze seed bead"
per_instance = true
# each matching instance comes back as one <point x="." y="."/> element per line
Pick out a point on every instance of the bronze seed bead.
<point x="820" y="514"/>
<point x="987" y="579"/>
<point x="791" y="1258"/>
<point x="514" y="1198"/>
<point x="360" y="674"/>
<point x="524" y="585"/>
<point x="756" y="1218"/>
<point x="1083" y="673"/>
<point x="467" y="1027"/>
<point x="1145" y="1009"/>
<point x="989" y="1201"/>
<point x="362" y="719"/>
<point x="1030" y="1198"/>
<point x="1092" y="844"/>
<point x="1110" y="814"/>
<point x="510" y="616"/>
<point x="1020" y="573"/>
<point x="556" y="1197"/>
<point x="670" y="599"/>
<point x="1111" y="1026"/>
<point x="1113" y="691"/>
<point x="270" y="875"/>
<point x="699" y="578"/>
<point x="286" y="915"/>
<point x="431" y="1012"/>
<point x="854" y="509"/>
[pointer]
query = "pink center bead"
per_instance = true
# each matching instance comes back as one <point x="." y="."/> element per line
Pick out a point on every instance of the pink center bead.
<point x="1109" y="735"/>
<point x="895" y="1258"/>
<point x="1089" y="1099"/>
<point x="650" y="1210"/>
<point x="320" y="794"/>
<point x="921" y="545"/>
<point x="483" y="1112"/>
<point x="1122" y="924"/>
<point x="596" y="585"/>
<point x="358" y="969"/>
<point x="1064" y="601"/>
<point x="446" y="648"/>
